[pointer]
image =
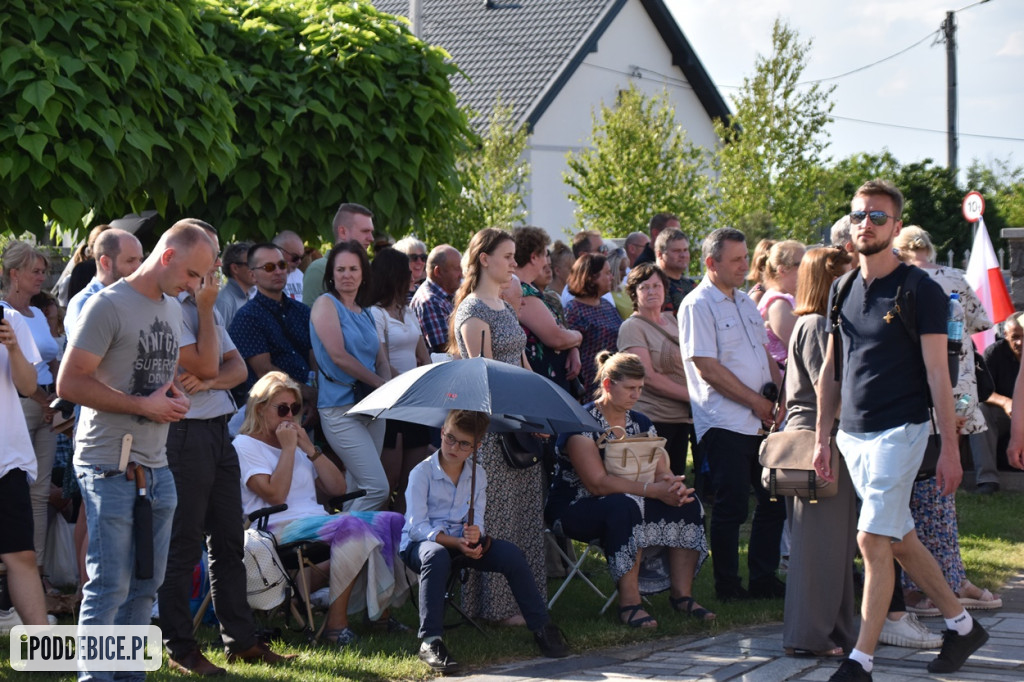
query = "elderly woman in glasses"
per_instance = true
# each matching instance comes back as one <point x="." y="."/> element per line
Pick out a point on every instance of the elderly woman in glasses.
<point x="417" y="253"/>
<point x="280" y="465"/>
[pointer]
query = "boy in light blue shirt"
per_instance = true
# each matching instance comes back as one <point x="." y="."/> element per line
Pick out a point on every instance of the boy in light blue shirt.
<point x="437" y="531"/>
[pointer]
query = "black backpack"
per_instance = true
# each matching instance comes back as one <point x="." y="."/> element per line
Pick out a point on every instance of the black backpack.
<point x="905" y="309"/>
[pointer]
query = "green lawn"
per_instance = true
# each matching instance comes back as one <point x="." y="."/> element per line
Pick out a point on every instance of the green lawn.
<point x="992" y="540"/>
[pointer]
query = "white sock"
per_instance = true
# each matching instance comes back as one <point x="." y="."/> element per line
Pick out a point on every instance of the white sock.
<point x="962" y="623"/>
<point x="428" y="640"/>
<point x="866" y="662"/>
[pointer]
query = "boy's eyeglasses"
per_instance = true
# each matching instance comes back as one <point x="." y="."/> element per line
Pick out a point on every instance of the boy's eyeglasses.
<point x="270" y="267"/>
<point x="284" y="408"/>
<point x="877" y="217"/>
<point x="454" y="442"/>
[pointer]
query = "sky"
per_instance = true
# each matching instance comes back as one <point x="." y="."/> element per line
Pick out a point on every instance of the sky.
<point x="908" y="90"/>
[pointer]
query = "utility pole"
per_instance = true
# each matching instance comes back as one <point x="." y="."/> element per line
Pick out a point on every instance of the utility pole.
<point x="416" y="18"/>
<point x="949" y="32"/>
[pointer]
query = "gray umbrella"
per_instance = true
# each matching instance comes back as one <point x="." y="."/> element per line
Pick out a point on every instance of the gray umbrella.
<point x="515" y="398"/>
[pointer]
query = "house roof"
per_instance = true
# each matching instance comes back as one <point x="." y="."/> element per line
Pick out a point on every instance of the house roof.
<point x="524" y="51"/>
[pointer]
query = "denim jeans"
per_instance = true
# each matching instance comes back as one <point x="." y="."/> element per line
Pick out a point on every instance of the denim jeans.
<point x="113" y="595"/>
<point x="433" y="562"/>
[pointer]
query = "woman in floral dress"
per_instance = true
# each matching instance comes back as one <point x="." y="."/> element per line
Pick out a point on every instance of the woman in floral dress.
<point x="483" y="324"/>
<point x="934" y="513"/>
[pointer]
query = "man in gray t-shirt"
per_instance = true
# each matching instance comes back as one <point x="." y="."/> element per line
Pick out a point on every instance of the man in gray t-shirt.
<point x="120" y="368"/>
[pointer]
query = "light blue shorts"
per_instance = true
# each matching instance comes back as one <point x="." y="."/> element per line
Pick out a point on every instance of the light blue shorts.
<point x="883" y="465"/>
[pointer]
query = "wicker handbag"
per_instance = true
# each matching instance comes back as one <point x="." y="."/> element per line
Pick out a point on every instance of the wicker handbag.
<point x="788" y="461"/>
<point x="632" y="457"/>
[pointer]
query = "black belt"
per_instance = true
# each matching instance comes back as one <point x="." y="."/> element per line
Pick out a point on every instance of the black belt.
<point x="48" y="389"/>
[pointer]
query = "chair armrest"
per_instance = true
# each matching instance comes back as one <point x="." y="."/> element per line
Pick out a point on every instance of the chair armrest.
<point x="336" y="503"/>
<point x="261" y="516"/>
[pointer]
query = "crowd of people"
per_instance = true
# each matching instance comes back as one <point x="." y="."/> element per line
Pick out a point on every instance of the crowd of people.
<point x="234" y="371"/>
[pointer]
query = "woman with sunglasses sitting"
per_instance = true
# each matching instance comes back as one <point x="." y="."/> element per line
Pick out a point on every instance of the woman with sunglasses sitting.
<point x="280" y="465"/>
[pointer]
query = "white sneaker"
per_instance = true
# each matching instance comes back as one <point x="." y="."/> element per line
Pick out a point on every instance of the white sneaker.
<point x="909" y="632"/>
<point x="10" y="618"/>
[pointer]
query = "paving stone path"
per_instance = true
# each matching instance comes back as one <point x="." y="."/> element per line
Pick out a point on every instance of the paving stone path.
<point x="755" y="655"/>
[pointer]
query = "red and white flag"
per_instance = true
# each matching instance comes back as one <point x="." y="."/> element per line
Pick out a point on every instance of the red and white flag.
<point x="985" y="277"/>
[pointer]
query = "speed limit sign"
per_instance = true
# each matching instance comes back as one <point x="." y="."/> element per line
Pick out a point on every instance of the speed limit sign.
<point x="973" y="207"/>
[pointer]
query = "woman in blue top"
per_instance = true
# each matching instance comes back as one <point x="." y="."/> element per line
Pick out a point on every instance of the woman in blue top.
<point x="348" y="354"/>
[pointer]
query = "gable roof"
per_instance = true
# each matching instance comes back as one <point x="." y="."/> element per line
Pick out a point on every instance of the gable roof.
<point x="524" y="51"/>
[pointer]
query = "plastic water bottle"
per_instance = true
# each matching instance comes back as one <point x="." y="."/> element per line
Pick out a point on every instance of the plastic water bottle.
<point x="955" y="324"/>
<point x="964" y="404"/>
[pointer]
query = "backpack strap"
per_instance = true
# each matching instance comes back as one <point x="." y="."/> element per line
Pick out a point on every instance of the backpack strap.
<point x="842" y="291"/>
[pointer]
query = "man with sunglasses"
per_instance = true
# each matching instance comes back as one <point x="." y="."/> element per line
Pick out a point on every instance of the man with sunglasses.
<point x="884" y="426"/>
<point x="292" y="247"/>
<point x="271" y="331"/>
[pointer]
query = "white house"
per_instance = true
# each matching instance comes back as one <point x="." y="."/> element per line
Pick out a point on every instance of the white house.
<point x="555" y="62"/>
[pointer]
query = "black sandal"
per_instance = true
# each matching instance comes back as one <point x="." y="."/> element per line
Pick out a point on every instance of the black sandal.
<point x="627" y="614"/>
<point x="686" y="605"/>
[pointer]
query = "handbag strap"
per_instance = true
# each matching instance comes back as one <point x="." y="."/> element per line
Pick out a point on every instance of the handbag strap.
<point x="673" y="339"/>
<point x="609" y="434"/>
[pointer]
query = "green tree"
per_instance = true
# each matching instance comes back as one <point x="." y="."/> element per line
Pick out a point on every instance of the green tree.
<point x="771" y="159"/>
<point x="334" y="102"/>
<point x="490" y="191"/>
<point x="107" y="106"/>
<point x="638" y="163"/>
<point x="1002" y="185"/>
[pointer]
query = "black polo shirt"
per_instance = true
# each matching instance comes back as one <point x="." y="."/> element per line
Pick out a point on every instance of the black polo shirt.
<point x="884" y="382"/>
<point x="1003" y="366"/>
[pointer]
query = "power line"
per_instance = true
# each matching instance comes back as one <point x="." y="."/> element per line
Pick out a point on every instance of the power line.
<point x="926" y="130"/>
<point x="868" y="66"/>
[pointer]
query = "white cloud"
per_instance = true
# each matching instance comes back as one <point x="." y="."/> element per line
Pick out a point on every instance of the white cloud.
<point x="1014" y="45"/>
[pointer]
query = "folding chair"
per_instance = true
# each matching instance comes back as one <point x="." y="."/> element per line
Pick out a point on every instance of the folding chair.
<point x="294" y="556"/>
<point x="554" y="536"/>
<point x="457" y="577"/>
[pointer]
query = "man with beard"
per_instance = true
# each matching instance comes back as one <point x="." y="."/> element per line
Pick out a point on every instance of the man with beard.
<point x="884" y="426"/>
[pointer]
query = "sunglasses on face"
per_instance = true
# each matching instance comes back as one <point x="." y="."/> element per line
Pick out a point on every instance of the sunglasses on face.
<point x="453" y="442"/>
<point x="877" y="217"/>
<point x="284" y="408"/>
<point x="270" y="267"/>
<point x="422" y="257"/>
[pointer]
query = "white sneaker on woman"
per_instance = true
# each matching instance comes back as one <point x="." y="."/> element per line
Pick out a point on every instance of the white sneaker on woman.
<point x="909" y="632"/>
<point x="10" y="618"/>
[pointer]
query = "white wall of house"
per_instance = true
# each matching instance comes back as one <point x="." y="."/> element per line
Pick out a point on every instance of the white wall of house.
<point x="631" y="45"/>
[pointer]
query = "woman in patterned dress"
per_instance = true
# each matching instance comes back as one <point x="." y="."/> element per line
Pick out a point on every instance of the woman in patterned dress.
<point x="483" y="324"/>
<point x="934" y="513"/>
<point x="590" y="313"/>
<point x="652" y="533"/>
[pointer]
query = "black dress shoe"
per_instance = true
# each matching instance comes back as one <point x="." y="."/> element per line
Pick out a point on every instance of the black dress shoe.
<point x="767" y="588"/>
<point x="987" y="488"/>
<point x="435" y="654"/>
<point x="733" y="593"/>
<point x="551" y="641"/>
<point x="194" y="663"/>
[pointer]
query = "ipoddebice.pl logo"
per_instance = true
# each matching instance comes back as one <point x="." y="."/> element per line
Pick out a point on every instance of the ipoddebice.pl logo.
<point x="70" y="648"/>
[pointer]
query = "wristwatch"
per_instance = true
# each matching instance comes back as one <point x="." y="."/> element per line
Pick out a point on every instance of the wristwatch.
<point x="316" y="453"/>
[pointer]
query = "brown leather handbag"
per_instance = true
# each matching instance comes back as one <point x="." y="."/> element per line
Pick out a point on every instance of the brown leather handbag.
<point x="788" y="461"/>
